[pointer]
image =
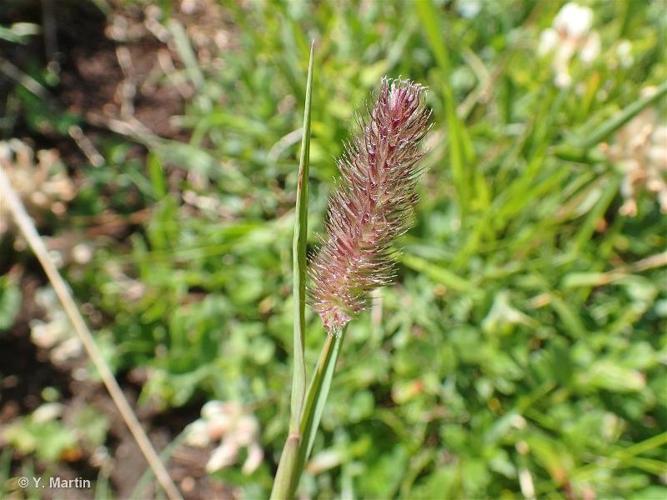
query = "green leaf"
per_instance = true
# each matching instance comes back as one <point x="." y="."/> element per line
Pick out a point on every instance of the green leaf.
<point x="319" y="391"/>
<point x="18" y="32"/>
<point x="437" y="273"/>
<point x="587" y="229"/>
<point x="553" y="456"/>
<point x="291" y="462"/>
<point x="461" y="152"/>
<point x="611" y="125"/>
<point x="157" y="176"/>
<point x="10" y="303"/>
<point x="299" y="264"/>
<point x="650" y="493"/>
<point x="607" y="374"/>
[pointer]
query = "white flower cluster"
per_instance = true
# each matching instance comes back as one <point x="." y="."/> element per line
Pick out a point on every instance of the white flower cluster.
<point x="121" y="284"/>
<point x="231" y="428"/>
<point x="640" y="150"/>
<point x="41" y="182"/>
<point x="570" y="34"/>
<point x="55" y="331"/>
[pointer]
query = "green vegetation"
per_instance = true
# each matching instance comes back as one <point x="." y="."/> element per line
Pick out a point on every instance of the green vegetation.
<point x="524" y="346"/>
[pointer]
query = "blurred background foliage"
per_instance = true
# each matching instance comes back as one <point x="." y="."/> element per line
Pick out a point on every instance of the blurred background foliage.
<point x="523" y="350"/>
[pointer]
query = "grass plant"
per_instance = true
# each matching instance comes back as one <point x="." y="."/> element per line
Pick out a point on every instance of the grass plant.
<point x="522" y="350"/>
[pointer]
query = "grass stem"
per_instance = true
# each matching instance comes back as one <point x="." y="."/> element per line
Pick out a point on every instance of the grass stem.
<point x="27" y="228"/>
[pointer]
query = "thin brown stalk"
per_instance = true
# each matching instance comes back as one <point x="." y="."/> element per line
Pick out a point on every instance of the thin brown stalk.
<point x="27" y="228"/>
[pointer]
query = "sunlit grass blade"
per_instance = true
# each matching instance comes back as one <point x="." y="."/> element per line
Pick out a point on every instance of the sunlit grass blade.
<point x="437" y="273"/>
<point x="588" y="227"/>
<point x="186" y="52"/>
<point x="299" y="264"/>
<point x="288" y="473"/>
<point x="318" y="393"/>
<point x="607" y="128"/>
<point x="461" y="152"/>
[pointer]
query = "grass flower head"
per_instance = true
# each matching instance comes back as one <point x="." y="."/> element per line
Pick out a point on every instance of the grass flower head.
<point x="372" y="204"/>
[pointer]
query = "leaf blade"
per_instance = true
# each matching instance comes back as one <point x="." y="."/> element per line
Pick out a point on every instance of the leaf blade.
<point x="318" y="393"/>
<point x="299" y="260"/>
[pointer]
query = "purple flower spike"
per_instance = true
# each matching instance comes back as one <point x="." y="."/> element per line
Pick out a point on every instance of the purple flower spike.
<point x="372" y="205"/>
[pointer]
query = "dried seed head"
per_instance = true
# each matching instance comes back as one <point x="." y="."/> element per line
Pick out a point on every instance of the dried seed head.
<point x="372" y="204"/>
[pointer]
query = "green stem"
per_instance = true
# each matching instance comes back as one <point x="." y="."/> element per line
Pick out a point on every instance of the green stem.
<point x="287" y="477"/>
<point x="298" y="446"/>
<point x="318" y="393"/>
